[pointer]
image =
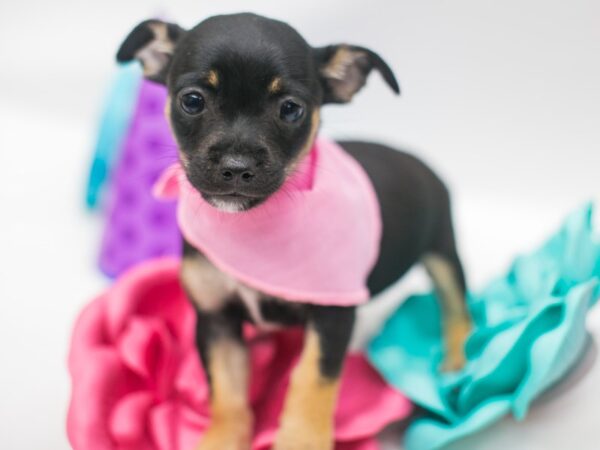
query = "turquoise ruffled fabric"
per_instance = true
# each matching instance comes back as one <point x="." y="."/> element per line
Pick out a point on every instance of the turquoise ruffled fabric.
<point x="116" y="116"/>
<point x="529" y="332"/>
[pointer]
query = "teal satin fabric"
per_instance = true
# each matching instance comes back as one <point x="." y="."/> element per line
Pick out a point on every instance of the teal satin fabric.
<point x="116" y="116"/>
<point x="529" y="331"/>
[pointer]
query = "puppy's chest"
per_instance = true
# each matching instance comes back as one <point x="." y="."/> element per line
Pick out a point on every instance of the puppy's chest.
<point x="211" y="290"/>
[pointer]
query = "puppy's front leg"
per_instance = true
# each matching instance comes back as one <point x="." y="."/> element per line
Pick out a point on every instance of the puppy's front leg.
<point x="225" y="359"/>
<point x="307" y="420"/>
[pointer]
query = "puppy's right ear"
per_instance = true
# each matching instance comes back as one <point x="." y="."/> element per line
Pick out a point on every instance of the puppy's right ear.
<point x="152" y="43"/>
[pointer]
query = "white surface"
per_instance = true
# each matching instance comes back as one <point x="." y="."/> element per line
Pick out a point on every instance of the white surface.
<point x="502" y="98"/>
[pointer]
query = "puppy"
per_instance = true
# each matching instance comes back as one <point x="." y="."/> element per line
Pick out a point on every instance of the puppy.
<point x="244" y="99"/>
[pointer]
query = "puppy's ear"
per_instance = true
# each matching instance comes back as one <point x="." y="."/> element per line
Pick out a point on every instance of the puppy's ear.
<point x="344" y="69"/>
<point x="152" y="43"/>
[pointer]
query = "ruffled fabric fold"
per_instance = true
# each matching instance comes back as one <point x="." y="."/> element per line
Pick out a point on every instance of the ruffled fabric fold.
<point x="137" y="383"/>
<point x="529" y="332"/>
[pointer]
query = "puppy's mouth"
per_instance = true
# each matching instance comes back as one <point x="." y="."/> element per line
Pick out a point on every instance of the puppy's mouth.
<point x="236" y="197"/>
<point x="232" y="201"/>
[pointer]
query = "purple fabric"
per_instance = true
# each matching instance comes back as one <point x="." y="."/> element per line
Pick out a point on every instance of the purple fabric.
<point x="138" y="226"/>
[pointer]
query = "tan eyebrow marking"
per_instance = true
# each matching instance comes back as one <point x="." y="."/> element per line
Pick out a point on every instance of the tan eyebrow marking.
<point x="275" y="85"/>
<point x="314" y="128"/>
<point x="213" y="79"/>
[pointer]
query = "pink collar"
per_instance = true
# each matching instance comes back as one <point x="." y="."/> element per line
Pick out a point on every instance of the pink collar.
<point x="313" y="241"/>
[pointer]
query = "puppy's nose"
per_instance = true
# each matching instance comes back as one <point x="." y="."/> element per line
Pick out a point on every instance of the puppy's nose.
<point x="237" y="168"/>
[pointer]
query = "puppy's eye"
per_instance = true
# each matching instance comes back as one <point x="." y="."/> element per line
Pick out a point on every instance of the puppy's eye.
<point x="291" y="111"/>
<point x="192" y="103"/>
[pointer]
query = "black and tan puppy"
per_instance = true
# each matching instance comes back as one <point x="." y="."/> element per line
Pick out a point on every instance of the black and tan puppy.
<point x="244" y="99"/>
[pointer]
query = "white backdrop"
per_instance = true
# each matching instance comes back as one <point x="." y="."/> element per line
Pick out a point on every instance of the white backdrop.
<point x="503" y="98"/>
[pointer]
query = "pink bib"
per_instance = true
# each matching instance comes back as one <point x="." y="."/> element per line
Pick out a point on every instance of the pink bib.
<point x="313" y="241"/>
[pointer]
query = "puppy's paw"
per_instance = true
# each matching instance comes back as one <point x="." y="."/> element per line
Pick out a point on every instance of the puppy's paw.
<point x="456" y="332"/>
<point x="227" y="435"/>
<point x="303" y="438"/>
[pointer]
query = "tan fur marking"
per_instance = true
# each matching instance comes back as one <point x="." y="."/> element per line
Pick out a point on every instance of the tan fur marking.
<point x="275" y="85"/>
<point x="213" y="79"/>
<point x="338" y="66"/>
<point x="185" y="162"/>
<point x="307" y="420"/>
<point x="344" y="77"/>
<point x="154" y="54"/>
<point x="456" y="332"/>
<point x="314" y="128"/>
<point x="207" y="286"/>
<point x="444" y="278"/>
<point x="456" y="321"/>
<point x="161" y="33"/>
<point x="229" y="374"/>
<point x="167" y="111"/>
<point x="231" y="423"/>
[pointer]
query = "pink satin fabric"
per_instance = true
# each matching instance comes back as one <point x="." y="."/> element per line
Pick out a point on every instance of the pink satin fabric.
<point x="314" y="241"/>
<point x="137" y="383"/>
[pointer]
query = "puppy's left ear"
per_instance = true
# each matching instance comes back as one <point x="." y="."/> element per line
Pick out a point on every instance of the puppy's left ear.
<point x="344" y="69"/>
<point x="152" y="42"/>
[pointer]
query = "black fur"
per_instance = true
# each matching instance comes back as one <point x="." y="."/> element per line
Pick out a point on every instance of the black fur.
<point x="415" y="209"/>
<point x="241" y="121"/>
<point x="241" y="118"/>
<point x="334" y="325"/>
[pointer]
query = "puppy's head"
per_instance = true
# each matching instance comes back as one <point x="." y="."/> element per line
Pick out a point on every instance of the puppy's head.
<point x="244" y="97"/>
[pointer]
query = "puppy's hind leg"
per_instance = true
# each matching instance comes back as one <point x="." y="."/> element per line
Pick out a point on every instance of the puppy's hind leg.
<point x="445" y="269"/>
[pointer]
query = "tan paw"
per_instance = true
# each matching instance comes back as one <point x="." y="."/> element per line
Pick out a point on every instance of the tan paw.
<point x="456" y="333"/>
<point x="227" y="435"/>
<point x="303" y="439"/>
